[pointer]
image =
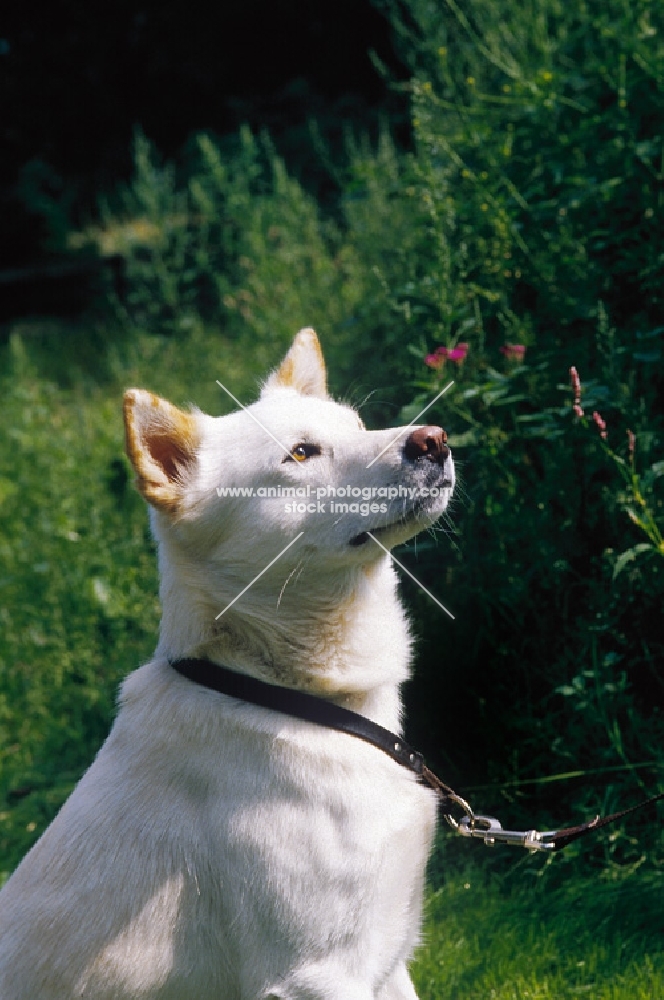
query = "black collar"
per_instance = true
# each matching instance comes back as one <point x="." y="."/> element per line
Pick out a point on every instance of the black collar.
<point x="300" y="705"/>
<point x="309" y="708"/>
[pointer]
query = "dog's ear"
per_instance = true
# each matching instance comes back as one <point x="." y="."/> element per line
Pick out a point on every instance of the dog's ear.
<point x="303" y="368"/>
<point x="162" y="443"/>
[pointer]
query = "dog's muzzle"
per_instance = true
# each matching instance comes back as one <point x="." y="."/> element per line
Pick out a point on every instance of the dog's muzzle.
<point x="424" y="444"/>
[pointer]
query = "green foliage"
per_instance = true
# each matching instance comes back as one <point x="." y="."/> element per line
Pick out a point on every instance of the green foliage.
<point x="534" y="191"/>
<point x="540" y="154"/>
<point x="234" y="241"/>
<point x="230" y="239"/>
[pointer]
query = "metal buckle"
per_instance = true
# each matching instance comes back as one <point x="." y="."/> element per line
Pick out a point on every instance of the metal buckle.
<point x="490" y="830"/>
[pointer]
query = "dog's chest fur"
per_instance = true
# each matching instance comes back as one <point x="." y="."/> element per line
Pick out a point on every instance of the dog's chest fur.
<point x="234" y="870"/>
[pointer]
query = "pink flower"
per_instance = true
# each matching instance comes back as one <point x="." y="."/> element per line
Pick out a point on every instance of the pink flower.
<point x="443" y="354"/>
<point x="513" y="352"/>
<point x="576" y="386"/>
<point x="601" y="424"/>
<point x="458" y="353"/>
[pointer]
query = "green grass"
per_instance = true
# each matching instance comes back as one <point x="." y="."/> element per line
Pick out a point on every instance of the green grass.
<point x="518" y="938"/>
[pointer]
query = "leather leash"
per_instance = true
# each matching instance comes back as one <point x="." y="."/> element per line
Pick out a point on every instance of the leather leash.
<point x="310" y="708"/>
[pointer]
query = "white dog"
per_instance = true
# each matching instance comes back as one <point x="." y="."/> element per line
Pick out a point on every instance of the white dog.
<point x="216" y="850"/>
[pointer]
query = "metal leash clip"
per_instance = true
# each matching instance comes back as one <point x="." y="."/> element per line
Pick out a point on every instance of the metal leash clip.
<point x="490" y="830"/>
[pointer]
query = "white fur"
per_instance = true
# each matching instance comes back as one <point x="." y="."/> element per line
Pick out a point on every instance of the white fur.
<point x="215" y="850"/>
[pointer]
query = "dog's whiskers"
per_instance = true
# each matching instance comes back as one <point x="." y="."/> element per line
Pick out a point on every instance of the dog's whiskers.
<point x="297" y="566"/>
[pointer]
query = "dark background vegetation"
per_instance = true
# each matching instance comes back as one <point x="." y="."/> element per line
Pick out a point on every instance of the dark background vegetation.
<point x="184" y="187"/>
<point x="78" y="78"/>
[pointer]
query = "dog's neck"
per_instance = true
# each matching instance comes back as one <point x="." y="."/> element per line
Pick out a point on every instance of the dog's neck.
<point x="347" y="641"/>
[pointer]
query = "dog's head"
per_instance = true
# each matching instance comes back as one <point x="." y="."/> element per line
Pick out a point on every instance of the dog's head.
<point x="294" y="462"/>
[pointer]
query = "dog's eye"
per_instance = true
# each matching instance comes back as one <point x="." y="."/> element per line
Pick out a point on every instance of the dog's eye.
<point x="301" y="452"/>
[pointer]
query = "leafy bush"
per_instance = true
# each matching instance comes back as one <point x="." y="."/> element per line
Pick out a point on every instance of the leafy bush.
<point x="229" y="240"/>
<point x="537" y="167"/>
<point x="540" y="153"/>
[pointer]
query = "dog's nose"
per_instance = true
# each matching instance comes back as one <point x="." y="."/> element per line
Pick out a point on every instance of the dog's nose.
<point x="427" y="442"/>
